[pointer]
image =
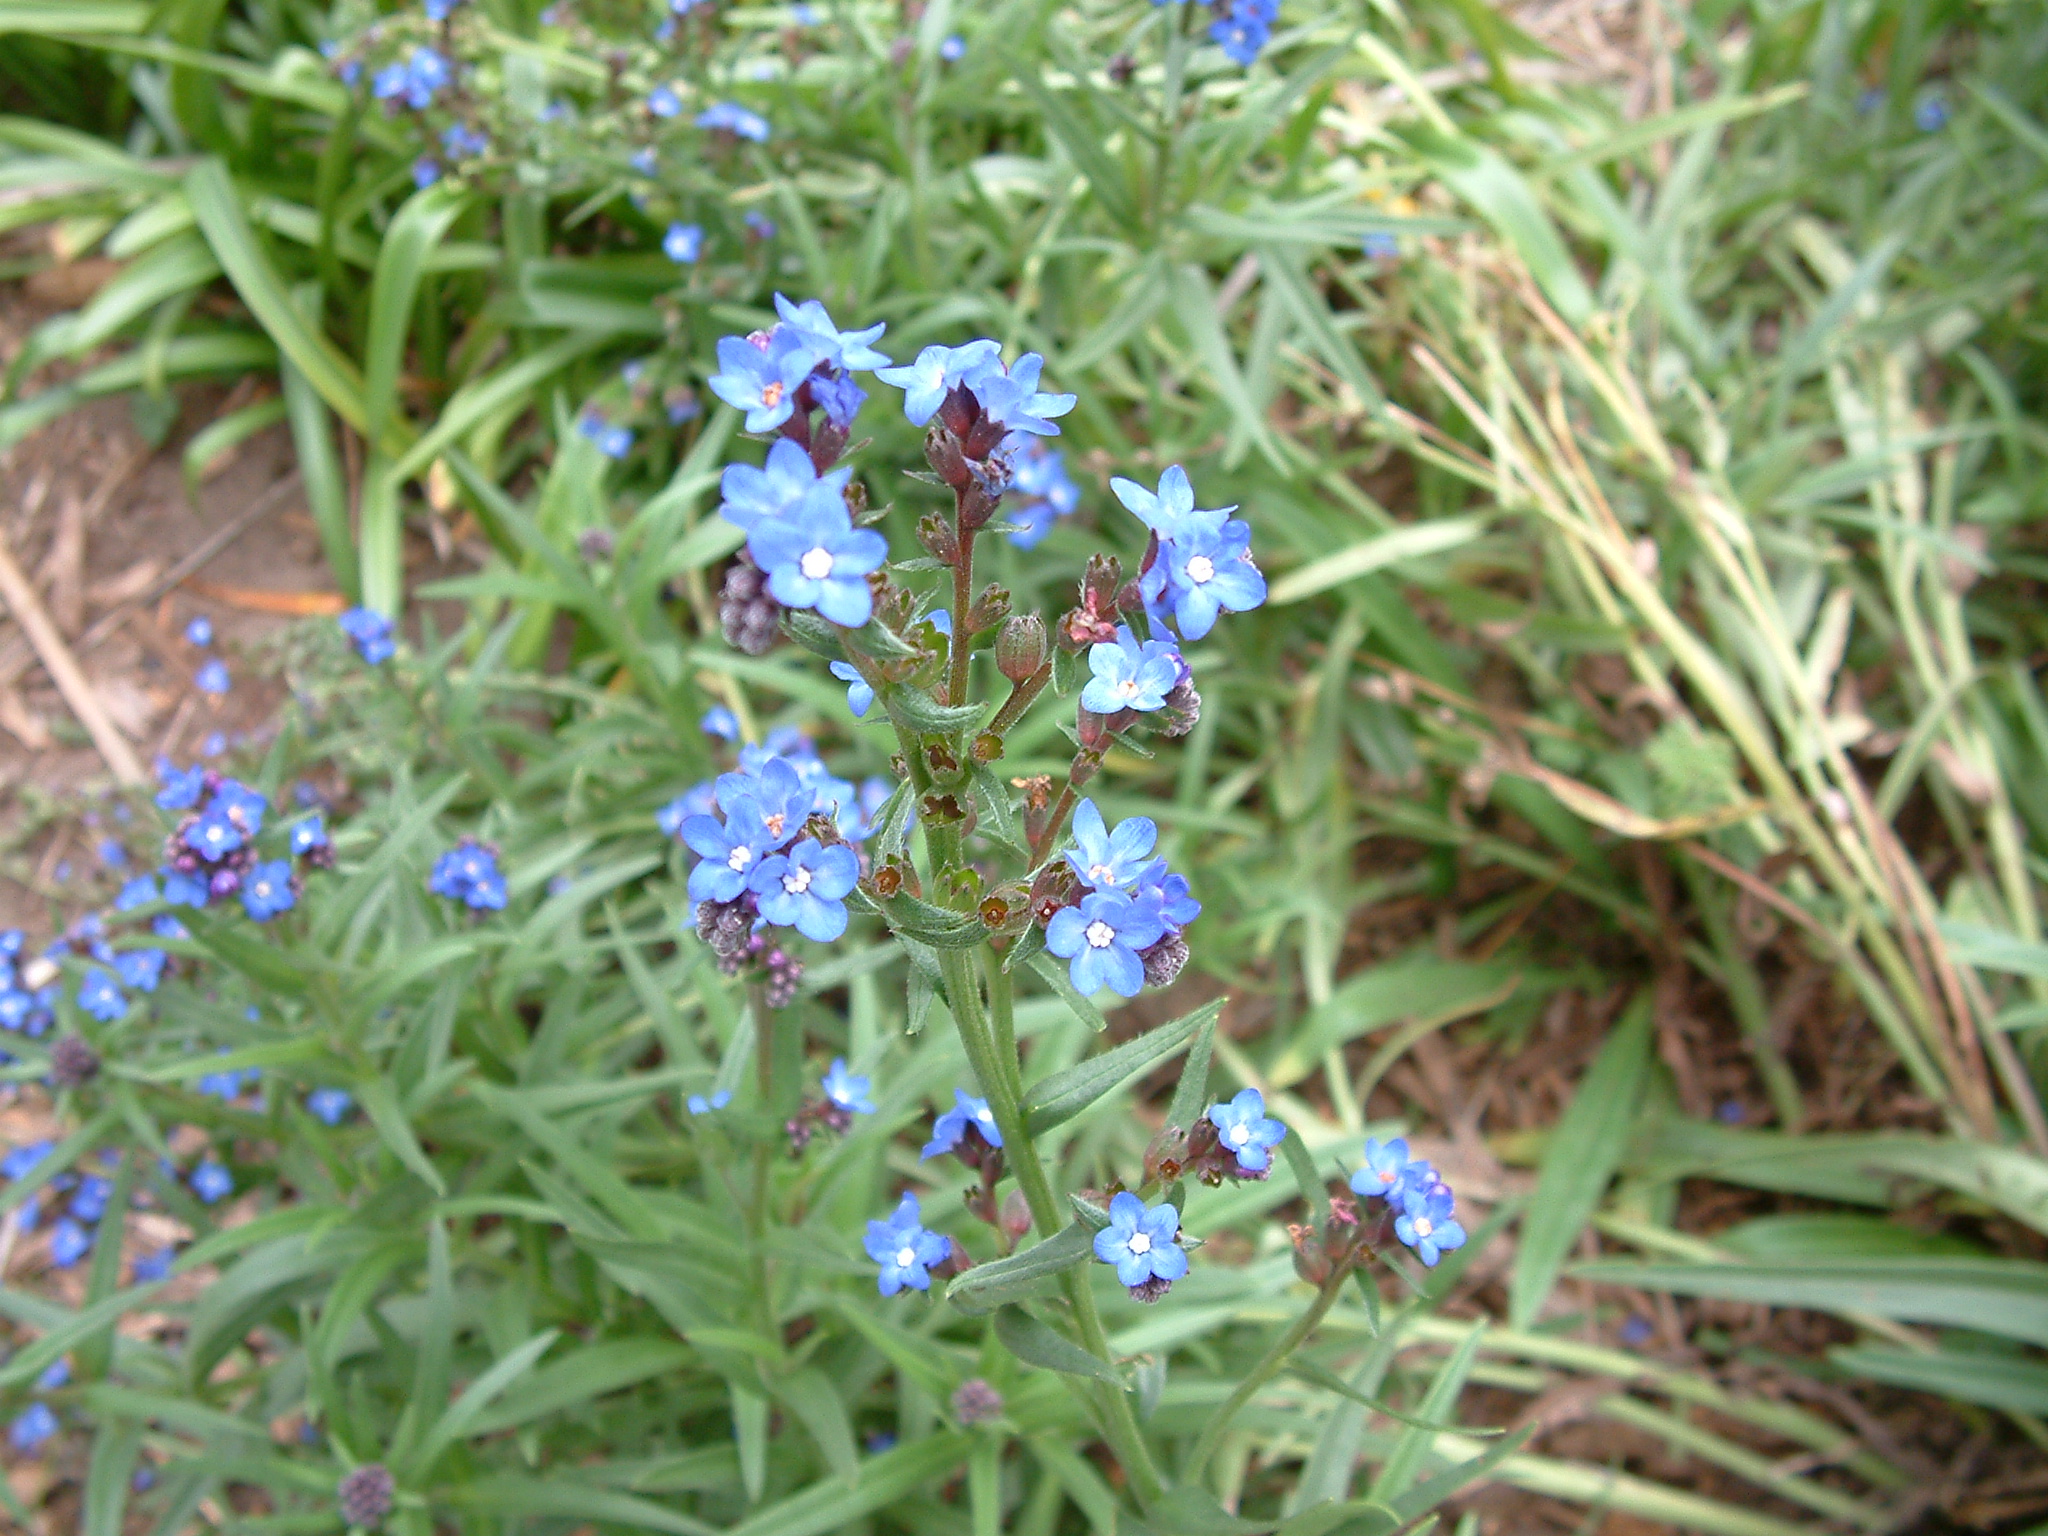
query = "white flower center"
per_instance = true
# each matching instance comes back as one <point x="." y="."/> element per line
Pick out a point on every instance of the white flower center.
<point x="905" y="1257"/>
<point x="740" y="857"/>
<point x="1128" y="688"/>
<point x="1201" y="568"/>
<point x="1141" y="1243"/>
<point x="1238" y="1135"/>
<point x="1100" y="934"/>
<point x="984" y="1116"/>
<point x="1423" y="1226"/>
<point x="774" y="823"/>
<point x="816" y="564"/>
<point x="797" y="881"/>
<point x="1101" y="874"/>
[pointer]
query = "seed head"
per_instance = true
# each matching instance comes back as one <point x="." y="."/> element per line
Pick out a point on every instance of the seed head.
<point x="73" y="1062"/>
<point x="366" y="1495"/>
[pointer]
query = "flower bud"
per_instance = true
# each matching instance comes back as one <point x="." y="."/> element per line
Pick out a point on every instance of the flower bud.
<point x="942" y="452"/>
<point x="1183" y="709"/>
<point x="937" y="536"/>
<point x="73" y="1062"/>
<point x="1163" y="961"/>
<point x="1310" y="1261"/>
<point x="1093" y="730"/>
<point x="988" y="610"/>
<point x="1016" y="1214"/>
<point x="366" y="1495"/>
<point x="1020" y="646"/>
<point x="1099" y="581"/>
<point x="976" y="1402"/>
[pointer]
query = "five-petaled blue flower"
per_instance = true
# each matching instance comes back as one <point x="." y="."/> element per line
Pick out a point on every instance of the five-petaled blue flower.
<point x="1426" y="1224"/>
<point x="181" y="890"/>
<point x="181" y="788"/>
<point x="469" y="873"/>
<point x="1242" y="1127"/>
<point x="760" y="376"/>
<point x="728" y="852"/>
<point x="816" y="558"/>
<point x="211" y="1182"/>
<point x="927" y="381"/>
<point x="69" y="1242"/>
<point x="730" y="117"/>
<point x="199" y="632"/>
<point x="1129" y="673"/>
<point x="1176" y="904"/>
<point x="1246" y="29"/>
<point x="100" y="997"/>
<point x="370" y="633"/>
<point x="683" y="243"/>
<point x="848" y="350"/>
<point x="806" y="888"/>
<point x="1171" y="510"/>
<point x="1101" y="940"/>
<point x="213" y="678"/>
<point x="1107" y="860"/>
<point x="1010" y="397"/>
<point x="139" y="892"/>
<point x="663" y="101"/>
<point x="967" y="1114"/>
<point x="847" y="1090"/>
<point x="1142" y="1244"/>
<point x="860" y="694"/>
<point x="142" y="969"/>
<point x="213" y="837"/>
<point x="1389" y="1171"/>
<point x="751" y="494"/>
<point x="309" y="835"/>
<point x="1204" y="570"/>
<point x="329" y="1105"/>
<point x="268" y="890"/>
<point x="904" y="1249"/>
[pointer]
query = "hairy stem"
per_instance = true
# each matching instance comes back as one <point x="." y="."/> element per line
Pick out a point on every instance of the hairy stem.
<point x="963" y="601"/>
<point x="1021" y="695"/>
<point x="1268" y="1367"/>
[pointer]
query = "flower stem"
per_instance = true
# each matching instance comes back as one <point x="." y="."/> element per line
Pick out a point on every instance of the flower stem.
<point x="1021" y="695"/>
<point x="1268" y="1367"/>
<point x="998" y="1074"/>
<point x="963" y="601"/>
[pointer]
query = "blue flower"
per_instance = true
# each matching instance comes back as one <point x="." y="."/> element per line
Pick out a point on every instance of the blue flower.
<point x="1101" y="938"/>
<point x="806" y="888"/>
<point x="1172" y="509"/>
<point x="968" y="1113"/>
<point x="1204" y="569"/>
<point x="90" y="1203"/>
<point x="760" y="378"/>
<point x="860" y="695"/>
<point x="645" y="161"/>
<point x="463" y="142"/>
<point x="1010" y="397"/>
<point x="100" y="997"/>
<point x="309" y="835"/>
<point x="1176" y="904"/>
<point x="15" y="1007"/>
<point x="440" y="10"/>
<point x="683" y="243"/>
<point x="69" y="1242"/>
<point x="469" y="873"/>
<point x="142" y="969"/>
<point x="35" y="1425"/>
<point x="164" y="926"/>
<point x="752" y="494"/>
<point x="213" y="678"/>
<point x="1129" y="673"/>
<point x="211" y="1182"/>
<point x="11" y="941"/>
<point x="816" y="558"/>
<point x="780" y="790"/>
<point x="268" y="891"/>
<point x="1042" y="490"/>
<point x="718" y="720"/>
<point x="730" y="117"/>
<point x="1380" y="245"/>
<point x="22" y="1160"/>
<point x="139" y="892"/>
<point x="370" y="633"/>
<point x="613" y="439"/>
<point x="213" y="837"/>
<point x="952" y="48"/>
<point x="904" y="1249"/>
<point x="1242" y="1127"/>
<point x="699" y="1105"/>
<point x="181" y="890"/>
<point x="57" y="1374"/>
<point x="926" y="382"/>
<point x="846" y="1090"/>
<point x="1241" y="34"/>
<point x="241" y="805"/>
<point x="329" y="1105"/>
<point x="1426" y="1224"/>
<point x="1142" y="1244"/>
<point x="1931" y="114"/>
<point x="728" y="852"/>
<point x="1108" y="860"/>
<point x="419" y="79"/>
<point x="848" y="350"/>
<point x="663" y="101"/>
<point x="1389" y="1171"/>
<point x="156" y="1266"/>
<point x="839" y="397"/>
<point x="199" y="632"/>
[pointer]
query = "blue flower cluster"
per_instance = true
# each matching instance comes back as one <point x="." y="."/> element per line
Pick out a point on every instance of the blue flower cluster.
<point x="1124" y="929"/>
<point x="1202" y="563"/>
<point x="1242" y="28"/>
<point x="469" y="873"/>
<point x="416" y="81"/>
<point x="370" y="633"/>
<point x="213" y="852"/>
<point x="767" y="860"/>
<point x="1040" y="489"/>
<point x="1422" y="1202"/>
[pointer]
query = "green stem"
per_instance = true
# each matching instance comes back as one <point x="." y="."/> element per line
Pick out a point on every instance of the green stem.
<point x="999" y="1079"/>
<point x="963" y="602"/>
<point x="1021" y="695"/>
<point x="1268" y="1367"/>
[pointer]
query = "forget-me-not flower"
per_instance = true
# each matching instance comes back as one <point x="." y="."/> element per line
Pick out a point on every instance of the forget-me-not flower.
<point x="211" y="1182"/>
<point x="1242" y="1127"/>
<point x="370" y="633"/>
<point x="35" y="1424"/>
<point x="1388" y="1170"/>
<point x="967" y="1114"/>
<point x="1204" y="570"/>
<point x="139" y="892"/>
<point x="213" y="678"/>
<point x="937" y="370"/>
<point x="761" y="376"/>
<point x="847" y="1090"/>
<point x="699" y="1105"/>
<point x="860" y="694"/>
<point x="1101" y="940"/>
<point x="199" y="632"/>
<point x="100" y="997"/>
<point x="181" y="788"/>
<point x="730" y="117"/>
<point x="1176" y="903"/>
<point x="329" y="1105"/>
<point x="1129" y="673"/>
<point x="848" y="350"/>
<point x="1143" y="1245"/>
<point x="69" y="1242"/>
<point x="663" y="101"/>
<point x="1426" y="1223"/>
<point x="904" y="1249"/>
<point x="469" y="873"/>
<point x="727" y="852"/>
<point x="309" y="835"/>
<point x="1107" y="860"/>
<point x="683" y="243"/>
<point x="268" y="890"/>
<point x="142" y="969"/>
<point x="751" y="494"/>
<point x="816" y="558"/>
<point x="806" y="888"/>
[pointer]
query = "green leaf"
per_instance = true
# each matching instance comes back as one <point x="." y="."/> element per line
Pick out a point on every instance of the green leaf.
<point x="564" y="1498"/>
<point x="1054" y="973"/>
<point x="1440" y="1402"/>
<point x="1191" y="1093"/>
<point x="824" y="1508"/>
<point x="1190" y="1511"/>
<point x="940" y="927"/>
<point x="1409" y="542"/>
<point x="1030" y="1273"/>
<point x="461" y="1416"/>
<point x="1082" y="141"/>
<point x="1037" y="1344"/>
<point x="394" y="1129"/>
<point x="1581" y="1155"/>
<point x="2011" y="1382"/>
<point x="811" y="1396"/>
<point x="928" y="714"/>
<point x="2002" y="1296"/>
<point x="1056" y="1099"/>
<point x="413" y="233"/>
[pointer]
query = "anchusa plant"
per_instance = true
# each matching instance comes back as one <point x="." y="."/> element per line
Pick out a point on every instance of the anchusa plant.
<point x="980" y="877"/>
